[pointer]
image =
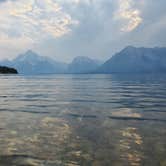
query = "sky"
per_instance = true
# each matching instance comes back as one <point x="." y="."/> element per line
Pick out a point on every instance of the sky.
<point x="64" y="29"/>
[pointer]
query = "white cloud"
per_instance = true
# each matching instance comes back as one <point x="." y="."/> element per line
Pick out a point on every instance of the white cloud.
<point x="34" y="19"/>
<point x="42" y="25"/>
<point x="128" y="14"/>
<point x="74" y="1"/>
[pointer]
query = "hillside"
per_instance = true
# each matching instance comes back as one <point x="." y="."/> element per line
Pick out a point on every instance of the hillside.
<point x="7" y="70"/>
<point x="133" y="60"/>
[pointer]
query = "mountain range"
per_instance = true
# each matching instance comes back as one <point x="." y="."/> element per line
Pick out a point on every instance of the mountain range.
<point x="32" y="63"/>
<point x="83" y="64"/>
<point x="129" y="60"/>
<point x="136" y="60"/>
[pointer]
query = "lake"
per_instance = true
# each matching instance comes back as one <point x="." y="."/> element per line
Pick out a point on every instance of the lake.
<point x="83" y="120"/>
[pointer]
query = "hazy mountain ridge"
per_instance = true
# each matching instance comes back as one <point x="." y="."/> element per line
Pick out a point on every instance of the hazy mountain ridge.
<point x="32" y="63"/>
<point x="82" y="64"/>
<point x="129" y="60"/>
<point x="133" y="60"/>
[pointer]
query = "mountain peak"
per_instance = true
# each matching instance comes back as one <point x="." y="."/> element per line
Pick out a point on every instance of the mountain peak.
<point x="138" y="60"/>
<point x="30" y="52"/>
<point x="32" y="63"/>
<point x="82" y="64"/>
<point x="129" y="48"/>
<point x="81" y="59"/>
<point x="28" y="56"/>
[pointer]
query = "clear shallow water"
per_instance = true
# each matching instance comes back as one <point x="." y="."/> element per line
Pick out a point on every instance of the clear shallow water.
<point x="71" y="120"/>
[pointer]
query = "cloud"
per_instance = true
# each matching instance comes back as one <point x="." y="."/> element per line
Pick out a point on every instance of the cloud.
<point x="2" y="1"/>
<point x="128" y="14"/>
<point x="67" y="28"/>
<point x="34" y="19"/>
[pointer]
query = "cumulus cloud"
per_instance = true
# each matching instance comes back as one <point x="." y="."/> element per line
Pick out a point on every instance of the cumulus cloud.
<point x="34" y="19"/>
<point x="67" y="28"/>
<point x="130" y="15"/>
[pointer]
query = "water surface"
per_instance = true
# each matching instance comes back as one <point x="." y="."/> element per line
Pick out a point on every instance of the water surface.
<point x="81" y="120"/>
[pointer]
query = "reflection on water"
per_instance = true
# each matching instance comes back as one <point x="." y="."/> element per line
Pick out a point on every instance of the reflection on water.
<point x="130" y="140"/>
<point x="125" y="112"/>
<point x="74" y="120"/>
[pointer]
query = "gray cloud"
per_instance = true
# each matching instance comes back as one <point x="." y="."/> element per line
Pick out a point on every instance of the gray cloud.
<point x="98" y="32"/>
<point x="6" y="0"/>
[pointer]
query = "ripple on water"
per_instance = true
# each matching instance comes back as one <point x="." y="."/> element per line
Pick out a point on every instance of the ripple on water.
<point x="72" y="120"/>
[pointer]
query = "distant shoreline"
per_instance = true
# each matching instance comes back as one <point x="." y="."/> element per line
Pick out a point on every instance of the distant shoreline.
<point x="7" y="70"/>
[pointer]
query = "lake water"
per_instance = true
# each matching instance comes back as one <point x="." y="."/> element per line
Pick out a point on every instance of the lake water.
<point x="83" y="120"/>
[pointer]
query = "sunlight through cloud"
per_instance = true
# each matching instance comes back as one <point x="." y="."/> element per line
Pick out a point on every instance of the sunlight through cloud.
<point x="130" y="15"/>
<point x="34" y="19"/>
